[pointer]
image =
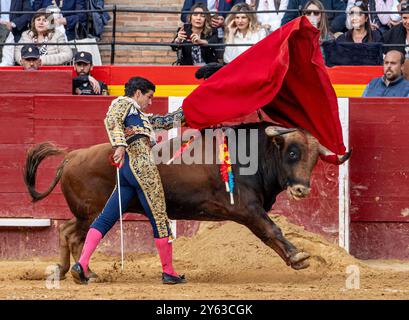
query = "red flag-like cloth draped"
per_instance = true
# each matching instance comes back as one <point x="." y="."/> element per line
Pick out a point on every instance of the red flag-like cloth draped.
<point x="284" y="74"/>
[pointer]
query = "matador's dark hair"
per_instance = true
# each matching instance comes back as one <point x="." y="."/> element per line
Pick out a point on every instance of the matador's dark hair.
<point x="138" y="83"/>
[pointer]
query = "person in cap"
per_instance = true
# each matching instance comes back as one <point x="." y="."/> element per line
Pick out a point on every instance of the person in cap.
<point x="84" y="83"/>
<point x="30" y="57"/>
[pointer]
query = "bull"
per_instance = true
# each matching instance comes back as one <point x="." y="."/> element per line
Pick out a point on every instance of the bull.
<point x="285" y="160"/>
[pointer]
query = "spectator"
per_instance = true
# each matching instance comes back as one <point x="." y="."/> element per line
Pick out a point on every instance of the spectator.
<point x="241" y="27"/>
<point x="336" y="20"/>
<point x="42" y="32"/>
<point x="382" y="21"/>
<point x="200" y="33"/>
<point x="392" y="84"/>
<point x="360" y="24"/>
<point x="11" y="27"/>
<point x="272" y="20"/>
<point x="16" y="23"/>
<point x="30" y="57"/>
<point x="213" y="5"/>
<point x="399" y="33"/>
<point x="84" y="83"/>
<point x="68" y="20"/>
<point x="313" y="10"/>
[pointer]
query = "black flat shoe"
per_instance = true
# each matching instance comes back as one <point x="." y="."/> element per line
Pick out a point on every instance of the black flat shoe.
<point x="78" y="274"/>
<point x="169" y="279"/>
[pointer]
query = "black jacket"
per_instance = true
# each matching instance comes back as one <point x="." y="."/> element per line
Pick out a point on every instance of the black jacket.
<point x="208" y="53"/>
<point x="393" y="36"/>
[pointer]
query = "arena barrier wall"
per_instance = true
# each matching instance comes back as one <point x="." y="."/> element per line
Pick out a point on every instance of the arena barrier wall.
<point x="375" y="228"/>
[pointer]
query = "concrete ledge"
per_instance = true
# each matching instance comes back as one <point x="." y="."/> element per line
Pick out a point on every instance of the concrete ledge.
<point x="9" y="222"/>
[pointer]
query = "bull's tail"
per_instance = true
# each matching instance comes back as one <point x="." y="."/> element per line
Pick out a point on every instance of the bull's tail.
<point x="34" y="157"/>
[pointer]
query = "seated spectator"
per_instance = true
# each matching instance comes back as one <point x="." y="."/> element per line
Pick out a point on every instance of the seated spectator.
<point x="272" y="20"/>
<point x="30" y="57"/>
<point x="200" y="33"/>
<point x="313" y="10"/>
<point x="392" y="84"/>
<point x="399" y="33"/>
<point x="16" y="23"/>
<point x="68" y="20"/>
<point x="42" y="31"/>
<point x="84" y="83"/>
<point x="336" y="20"/>
<point x="241" y="27"/>
<point x="213" y="5"/>
<point x="11" y="27"/>
<point x="360" y="24"/>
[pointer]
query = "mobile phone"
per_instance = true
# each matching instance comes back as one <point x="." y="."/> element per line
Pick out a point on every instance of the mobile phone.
<point x="188" y="29"/>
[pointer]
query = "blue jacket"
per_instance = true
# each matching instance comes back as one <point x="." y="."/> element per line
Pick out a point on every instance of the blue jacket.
<point x="336" y="20"/>
<point x="223" y="6"/>
<point x="72" y="18"/>
<point x="20" y="20"/>
<point x="378" y="88"/>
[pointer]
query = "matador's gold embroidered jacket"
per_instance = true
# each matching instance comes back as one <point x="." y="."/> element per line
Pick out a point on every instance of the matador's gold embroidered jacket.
<point x="125" y="122"/>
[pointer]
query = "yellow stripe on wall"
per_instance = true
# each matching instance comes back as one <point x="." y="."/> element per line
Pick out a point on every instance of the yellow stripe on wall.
<point x="342" y="90"/>
<point x="161" y="90"/>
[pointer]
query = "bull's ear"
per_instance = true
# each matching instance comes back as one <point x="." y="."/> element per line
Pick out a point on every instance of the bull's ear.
<point x="273" y="131"/>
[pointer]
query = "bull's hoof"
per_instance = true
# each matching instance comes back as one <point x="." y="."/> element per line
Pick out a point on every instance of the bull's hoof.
<point x="61" y="272"/>
<point x="300" y="260"/>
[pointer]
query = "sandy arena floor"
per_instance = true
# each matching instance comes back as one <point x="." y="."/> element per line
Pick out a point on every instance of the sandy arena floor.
<point x="223" y="261"/>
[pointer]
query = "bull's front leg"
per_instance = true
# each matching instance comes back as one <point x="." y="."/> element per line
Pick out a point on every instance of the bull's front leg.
<point x="264" y="228"/>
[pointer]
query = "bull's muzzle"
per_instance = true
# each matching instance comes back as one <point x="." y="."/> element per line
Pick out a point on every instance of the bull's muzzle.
<point x="298" y="191"/>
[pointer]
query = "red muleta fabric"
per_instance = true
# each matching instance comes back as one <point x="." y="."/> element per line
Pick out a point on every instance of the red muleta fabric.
<point x="285" y="75"/>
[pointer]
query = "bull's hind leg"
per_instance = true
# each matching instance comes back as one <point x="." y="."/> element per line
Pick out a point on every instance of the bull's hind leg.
<point x="65" y="230"/>
<point x="265" y="229"/>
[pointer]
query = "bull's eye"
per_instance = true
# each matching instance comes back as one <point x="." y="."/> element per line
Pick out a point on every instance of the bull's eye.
<point x="292" y="155"/>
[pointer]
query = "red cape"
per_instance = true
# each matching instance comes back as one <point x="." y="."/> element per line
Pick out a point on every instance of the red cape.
<point x="285" y="75"/>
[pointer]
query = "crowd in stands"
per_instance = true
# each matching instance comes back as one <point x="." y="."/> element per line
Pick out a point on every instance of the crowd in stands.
<point x="351" y="29"/>
<point x="347" y="31"/>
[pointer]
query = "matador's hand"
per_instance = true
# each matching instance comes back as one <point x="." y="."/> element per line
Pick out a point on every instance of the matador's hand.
<point x="119" y="155"/>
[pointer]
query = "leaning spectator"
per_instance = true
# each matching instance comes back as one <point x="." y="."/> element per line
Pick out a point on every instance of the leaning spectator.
<point x="30" y="57"/>
<point x="213" y="5"/>
<point x="336" y="20"/>
<point x="42" y="31"/>
<point x="241" y="28"/>
<point x="272" y="20"/>
<point x="360" y="24"/>
<point x="399" y="33"/>
<point x="84" y="83"/>
<point x="392" y="84"/>
<point x="198" y="32"/>
<point x="68" y="20"/>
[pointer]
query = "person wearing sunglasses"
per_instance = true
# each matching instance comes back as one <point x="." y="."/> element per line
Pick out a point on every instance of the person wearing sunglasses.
<point x="360" y="26"/>
<point x="336" y="19"/>
<point x="399" y="34"/>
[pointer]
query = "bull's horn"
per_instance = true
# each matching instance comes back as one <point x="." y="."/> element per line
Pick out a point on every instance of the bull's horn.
<point x="273" y="131"/>
<point x="331" y="157"/>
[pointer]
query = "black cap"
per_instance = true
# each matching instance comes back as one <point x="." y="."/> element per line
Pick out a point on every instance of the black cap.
<point x="83" y="56"/>
<point x="30" y="51"/>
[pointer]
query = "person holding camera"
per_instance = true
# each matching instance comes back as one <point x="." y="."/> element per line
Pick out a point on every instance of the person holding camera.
<point x="194" y="36"/>
<point x="84" y="83"/>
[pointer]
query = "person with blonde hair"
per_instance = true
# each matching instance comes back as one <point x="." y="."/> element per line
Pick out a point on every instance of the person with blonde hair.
<point x="242" y="27"/>
<point x="42" y="32"/>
